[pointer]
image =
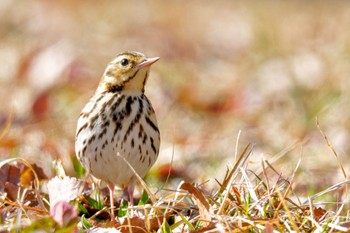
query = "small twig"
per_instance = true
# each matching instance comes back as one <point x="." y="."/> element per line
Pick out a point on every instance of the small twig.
<point x="15" y="204"/>
<point x="329" y="144"/>
<point x="332" y="188"/>
<point x="7" y="125"/>
<point x="237" y="142"/>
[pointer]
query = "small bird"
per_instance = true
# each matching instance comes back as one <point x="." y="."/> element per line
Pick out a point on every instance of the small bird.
<point x="118" y="127"/>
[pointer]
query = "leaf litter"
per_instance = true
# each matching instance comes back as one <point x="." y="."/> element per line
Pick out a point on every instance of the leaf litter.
<point x="244" y="201"/>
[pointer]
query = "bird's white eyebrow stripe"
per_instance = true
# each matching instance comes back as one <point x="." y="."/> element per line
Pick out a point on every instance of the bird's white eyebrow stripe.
<point x="118" y="58"/>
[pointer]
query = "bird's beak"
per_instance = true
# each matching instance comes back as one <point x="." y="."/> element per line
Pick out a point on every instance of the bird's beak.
<point x="147" y="62"/>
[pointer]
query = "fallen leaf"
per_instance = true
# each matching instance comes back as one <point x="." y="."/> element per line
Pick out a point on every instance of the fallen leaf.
<point x="197" y="193"/>
<point x="40" y="106"/>
<point x="27" y="176"/>
<point x="139" y="225"/>
<point x="201" y="202"/>
<point x="10" y="174"/>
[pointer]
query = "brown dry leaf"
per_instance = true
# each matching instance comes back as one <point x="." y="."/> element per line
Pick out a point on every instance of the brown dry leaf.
<point x="319" y="213"/>
<point x="10" y="174"/>
<point x="156" y="222"/>
<point x="11" y="190"/>
<point x="238" y="196"/>
<point x="201" y="202"/>
<point x="27" y="176"/>
<point x="103" y="226"/>
<point x="166" y="171"/>
<point x="139" y="225"/>
<point x="134" y="224"/>
<point x="40" y="106"/>
<point x="9" y="179"/>
<point x="197" y="193"/>
<point x="268" y="228"/>
<point x="8" y="143"/>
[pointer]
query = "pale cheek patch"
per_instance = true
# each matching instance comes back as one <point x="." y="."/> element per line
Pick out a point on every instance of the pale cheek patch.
<point x="109" y="79"/>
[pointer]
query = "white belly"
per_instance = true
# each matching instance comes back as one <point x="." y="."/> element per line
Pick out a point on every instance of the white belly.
<point x="126" y="129"/>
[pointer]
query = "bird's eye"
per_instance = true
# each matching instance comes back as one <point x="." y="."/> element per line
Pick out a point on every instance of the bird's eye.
<point x="124" y="62"/>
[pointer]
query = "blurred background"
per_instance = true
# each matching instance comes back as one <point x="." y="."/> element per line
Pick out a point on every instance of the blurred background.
<point x="231" y="73"/>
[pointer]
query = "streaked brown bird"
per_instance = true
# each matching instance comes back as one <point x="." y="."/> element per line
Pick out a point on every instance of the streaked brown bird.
<point x="118" y="128"/>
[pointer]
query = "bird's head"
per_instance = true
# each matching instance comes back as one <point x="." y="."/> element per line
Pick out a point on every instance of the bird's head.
<point x="127" y="72"/>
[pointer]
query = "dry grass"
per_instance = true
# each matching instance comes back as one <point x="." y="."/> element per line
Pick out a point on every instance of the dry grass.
<point x="244" y="201"/>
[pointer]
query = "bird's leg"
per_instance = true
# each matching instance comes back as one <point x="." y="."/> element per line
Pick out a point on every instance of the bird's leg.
<point x="128" y="194"/>
<point x="111" y="198"/>
<point x="128" y="191"/>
